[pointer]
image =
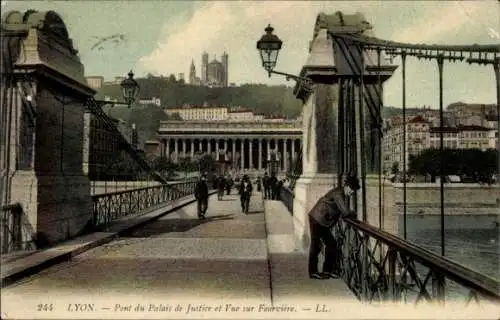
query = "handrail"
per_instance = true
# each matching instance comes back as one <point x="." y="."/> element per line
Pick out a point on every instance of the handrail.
<point x="472" y="279"/>
<point x="111" y="206"/>
<point x="169" y="185"/>
<point x="361" y="265"/>
<point x="16" y="232"/>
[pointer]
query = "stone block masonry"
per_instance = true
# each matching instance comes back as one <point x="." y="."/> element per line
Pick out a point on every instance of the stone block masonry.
<point x="46" y="173"/>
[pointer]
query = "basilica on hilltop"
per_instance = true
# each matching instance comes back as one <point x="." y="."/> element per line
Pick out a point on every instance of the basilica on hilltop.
<point x="213" y="73"/>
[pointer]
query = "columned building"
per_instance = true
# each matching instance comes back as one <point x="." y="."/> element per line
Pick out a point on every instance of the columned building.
<point x="243" y="147"/>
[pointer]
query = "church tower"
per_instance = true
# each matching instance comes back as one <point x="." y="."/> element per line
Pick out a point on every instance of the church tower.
<point x="192" y="73"/>
<point x="225" y="63"/>
<point x="204" y="68"/>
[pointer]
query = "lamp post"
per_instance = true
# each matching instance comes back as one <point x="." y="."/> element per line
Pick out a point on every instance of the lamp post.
<point x="269" y="46"/>
<point x="130" y="91"/>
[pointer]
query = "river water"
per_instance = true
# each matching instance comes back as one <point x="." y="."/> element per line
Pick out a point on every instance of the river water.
<point x="475" y="248"/>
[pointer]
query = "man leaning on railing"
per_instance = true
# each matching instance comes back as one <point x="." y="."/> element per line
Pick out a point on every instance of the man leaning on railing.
<point x="322" y="218"/>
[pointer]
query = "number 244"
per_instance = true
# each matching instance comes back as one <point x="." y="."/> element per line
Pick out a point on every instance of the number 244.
<point x="45" y="307"/>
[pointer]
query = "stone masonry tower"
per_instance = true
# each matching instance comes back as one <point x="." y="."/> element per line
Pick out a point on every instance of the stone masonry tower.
<point x="225" y="63"/>
<point x="43" y="94"/>
<point x="328" y="66"/>
<point x="192" y="73"/>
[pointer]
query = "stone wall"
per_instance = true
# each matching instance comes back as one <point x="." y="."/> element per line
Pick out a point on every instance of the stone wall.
<point x="453" y="193"/>
<point x="47" y="175"/>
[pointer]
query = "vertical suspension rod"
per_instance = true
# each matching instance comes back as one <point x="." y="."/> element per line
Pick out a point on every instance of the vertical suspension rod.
<point x="379" y="132"/>
<point x="340" y="134"/>
<point x="353" y="135"/>
<point x="496" y="67"/>
<point x="403" y="62"/>
<point x="361" y="93"/>
<point x="440" y="61"/>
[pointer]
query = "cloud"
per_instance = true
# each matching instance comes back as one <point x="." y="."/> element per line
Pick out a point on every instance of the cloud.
<point x="440" y="24"/>
<point x="235" y="27"/>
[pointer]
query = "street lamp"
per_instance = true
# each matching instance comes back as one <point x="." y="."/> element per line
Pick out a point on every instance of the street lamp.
<point x="130" y="91"/>
<point x="269" y="46"/>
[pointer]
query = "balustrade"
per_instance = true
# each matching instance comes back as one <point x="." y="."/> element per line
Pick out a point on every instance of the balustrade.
<point x="380" y="267"/>
<point x="16" y="231"/>
<point x="112" y="206"/>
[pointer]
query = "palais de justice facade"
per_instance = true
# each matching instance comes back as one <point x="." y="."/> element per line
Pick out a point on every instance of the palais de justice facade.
<point x="244" y="146"/>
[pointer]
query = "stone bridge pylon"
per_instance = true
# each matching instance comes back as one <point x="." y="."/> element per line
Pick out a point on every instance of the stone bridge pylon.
<point x="335" y="70"/>
<point x="43" y="94"/>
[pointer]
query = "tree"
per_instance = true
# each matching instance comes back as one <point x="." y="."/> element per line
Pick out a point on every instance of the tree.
<point x="165" y="166"/>
<point x="395" y="167"/>
<point x="185" y="164"/>
<point x="207" y="163"/>
<point x="474" y="163"/>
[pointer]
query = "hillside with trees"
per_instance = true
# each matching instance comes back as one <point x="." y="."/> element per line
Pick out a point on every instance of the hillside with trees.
<point x="267" y="100"/>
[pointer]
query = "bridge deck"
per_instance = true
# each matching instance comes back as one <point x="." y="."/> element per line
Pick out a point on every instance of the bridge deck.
<point x="230" y="257"/>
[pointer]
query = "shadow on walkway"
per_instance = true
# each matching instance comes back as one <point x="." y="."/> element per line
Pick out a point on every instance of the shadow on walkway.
<point x="173" y="225"/>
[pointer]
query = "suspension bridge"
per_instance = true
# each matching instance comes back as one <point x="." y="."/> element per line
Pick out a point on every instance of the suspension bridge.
<point x="60" y="242"/>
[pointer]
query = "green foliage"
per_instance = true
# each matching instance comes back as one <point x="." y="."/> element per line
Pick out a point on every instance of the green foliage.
<point x="207" y="163"/>
<point x="146" y="118"/>
<point x="268" y="100"/>
<point x="121" y="168"/>
<point x="395" y="167"/>
<point x="388" y="112"/>
<point x="473" y="163"/>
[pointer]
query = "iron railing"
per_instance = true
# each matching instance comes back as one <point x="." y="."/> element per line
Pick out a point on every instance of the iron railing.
<point x="380" y="267"/>
<point x="16" y="231"/>
<point x="287" y="196"/>
<point x="111" y="206"/>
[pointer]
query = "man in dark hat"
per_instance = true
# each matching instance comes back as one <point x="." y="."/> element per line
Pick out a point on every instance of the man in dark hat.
<point x="201" y="195"/>
<point x="322" y="218"/>
<point x="245" y="193"/>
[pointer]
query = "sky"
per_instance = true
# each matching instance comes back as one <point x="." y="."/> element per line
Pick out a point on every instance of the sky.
<point x="163" y="37"/>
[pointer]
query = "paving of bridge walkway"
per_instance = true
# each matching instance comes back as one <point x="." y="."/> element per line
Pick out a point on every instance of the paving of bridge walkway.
<point x="228" y="258"/>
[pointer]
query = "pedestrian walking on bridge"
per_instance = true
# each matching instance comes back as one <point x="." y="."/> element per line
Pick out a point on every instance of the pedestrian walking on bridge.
<point x="245" y="193"/>
<point x="201" y="195"/>
<point x="265" y="184"/>
<point x="322" y="218"/>
<point x="221" y="185"/>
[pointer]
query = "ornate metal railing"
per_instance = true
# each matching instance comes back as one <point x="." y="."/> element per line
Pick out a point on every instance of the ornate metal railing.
<point x="380" y="267"/>
<point x="16" y="231"/>
<point x="287" y="196"/>
<point x="111" y="206"/>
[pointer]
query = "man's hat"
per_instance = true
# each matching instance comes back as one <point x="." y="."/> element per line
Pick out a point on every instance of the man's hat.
<point x="352" y="182"/>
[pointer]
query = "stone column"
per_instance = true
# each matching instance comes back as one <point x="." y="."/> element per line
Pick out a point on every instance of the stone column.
<point x="48" y="153"/>
<point x="167" y="147"/>
<point x="209" y="146"/>
<point x="242" y="154"/>
<point x="250" y="154"/>
<point x="176" y="147"/>
<point x="184" y="147"/>
<point x="217" y="149"/>
<point x="293" y="151"/>
<point x="319" y="150"/>
<point x="192" y="148"/>
<point x="260" y="154"/>
<point x="276" y="150"/>
<point x="285" y="155"/>
<point x="233" y="152"/>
